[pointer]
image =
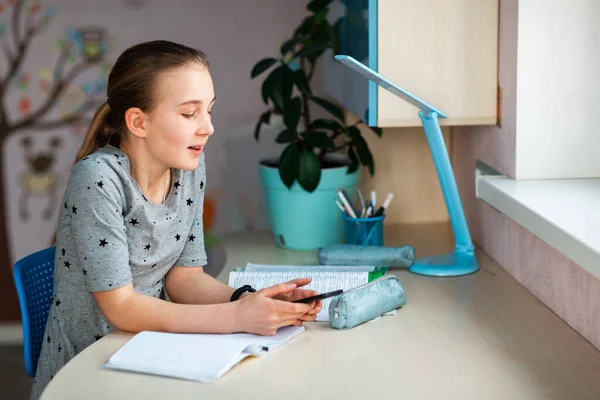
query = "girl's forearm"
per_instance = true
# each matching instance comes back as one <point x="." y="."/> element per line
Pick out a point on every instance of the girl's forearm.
<point x="145" y="313"/>
<point x="187" y="285"/>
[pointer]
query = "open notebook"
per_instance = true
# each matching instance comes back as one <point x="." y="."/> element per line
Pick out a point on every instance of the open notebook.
<point x="324" y="278"/>
<point x="197" y="357"/>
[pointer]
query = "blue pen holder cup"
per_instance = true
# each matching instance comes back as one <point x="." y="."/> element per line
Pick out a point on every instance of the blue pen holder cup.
<point x="364" y="231"/>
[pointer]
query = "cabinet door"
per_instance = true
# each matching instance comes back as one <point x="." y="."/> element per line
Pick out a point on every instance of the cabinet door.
<point x="443" y="51"/>
<point x="356" y="24"/>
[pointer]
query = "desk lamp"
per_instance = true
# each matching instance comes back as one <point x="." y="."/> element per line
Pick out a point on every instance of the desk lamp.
<point x="462" y="260"/>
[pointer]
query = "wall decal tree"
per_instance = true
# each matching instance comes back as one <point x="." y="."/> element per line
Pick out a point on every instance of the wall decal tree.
<point x="62" y="102"/>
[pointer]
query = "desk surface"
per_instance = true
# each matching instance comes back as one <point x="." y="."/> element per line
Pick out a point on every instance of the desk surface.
<point x="482" y="336"/>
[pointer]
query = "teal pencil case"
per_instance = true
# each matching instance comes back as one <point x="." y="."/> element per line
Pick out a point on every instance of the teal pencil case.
<point x="366" y="302"/>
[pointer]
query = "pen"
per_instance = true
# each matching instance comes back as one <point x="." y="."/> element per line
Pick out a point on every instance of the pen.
<point x="346" y="203"/>
<point x="385" y="205"/>
<point x="361" y="199"/>
<point x="255" y="349"/>
<point x="373" y="198"/>
<point x="341" y="207"/>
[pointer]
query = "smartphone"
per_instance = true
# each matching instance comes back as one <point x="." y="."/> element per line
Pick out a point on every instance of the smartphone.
<point x="319" y="296"/>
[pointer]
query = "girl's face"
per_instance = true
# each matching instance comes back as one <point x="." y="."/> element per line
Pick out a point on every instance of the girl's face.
<point x="180" y="124"/>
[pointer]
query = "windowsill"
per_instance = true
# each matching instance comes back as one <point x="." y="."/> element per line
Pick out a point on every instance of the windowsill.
<point x="565" y="213"/>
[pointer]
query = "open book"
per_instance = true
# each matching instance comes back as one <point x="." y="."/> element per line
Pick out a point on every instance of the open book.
<point x="324" y="278"/>
<point x="197" y="357"/>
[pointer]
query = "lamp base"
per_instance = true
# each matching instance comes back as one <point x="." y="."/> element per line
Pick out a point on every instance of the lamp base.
<point x="457" y="263"/>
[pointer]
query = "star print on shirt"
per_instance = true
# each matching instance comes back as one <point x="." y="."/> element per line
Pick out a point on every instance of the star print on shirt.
<point x="67" y="264"/>
<point x="103" y="242"/>
<point x="177" y="185"/>
<point x="147" y="247"/>
<point x="100" y="184"/>
<point x="133" y="221"/>
<point x="57" y="303"/>
<point x="48" y="339"/>
<point x="74" y="209"/>
<point x="59" y="348"/>
<point x="201" y="185"/>
<point x="177" y="237"/>
<point x="191" y="238"/>
<point x="189" y="202"/>
<point x="66" y="206"/>
<point x="84" y="272"/>
<point x="62" y="251"/>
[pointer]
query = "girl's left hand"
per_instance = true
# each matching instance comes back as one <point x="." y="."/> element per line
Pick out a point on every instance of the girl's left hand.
<point x="297" y="294"/>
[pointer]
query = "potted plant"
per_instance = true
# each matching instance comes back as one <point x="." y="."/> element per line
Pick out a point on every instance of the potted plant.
<point x="318" y="155"/>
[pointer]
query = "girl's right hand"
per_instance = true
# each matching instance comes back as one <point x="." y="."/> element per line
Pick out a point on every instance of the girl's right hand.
<point x="260" y="314"/>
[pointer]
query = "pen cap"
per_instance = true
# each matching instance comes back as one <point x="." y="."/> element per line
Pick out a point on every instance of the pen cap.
<point x="364" y="231"/>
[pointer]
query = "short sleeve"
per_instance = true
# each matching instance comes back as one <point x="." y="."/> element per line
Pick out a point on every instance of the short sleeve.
<point x="95" y="205"/>
<point x="194" y="254"/>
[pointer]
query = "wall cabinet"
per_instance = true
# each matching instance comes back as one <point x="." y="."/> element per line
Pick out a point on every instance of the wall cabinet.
<point x="443" y="51"/>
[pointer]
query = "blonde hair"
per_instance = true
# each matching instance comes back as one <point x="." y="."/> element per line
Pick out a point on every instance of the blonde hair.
<point x="132" y="83"/>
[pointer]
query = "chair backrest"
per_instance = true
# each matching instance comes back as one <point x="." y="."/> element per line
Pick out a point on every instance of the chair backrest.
<point x="34" y="279"/>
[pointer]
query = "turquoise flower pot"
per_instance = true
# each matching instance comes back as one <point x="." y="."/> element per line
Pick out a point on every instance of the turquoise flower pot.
<point x="306" y="221"/>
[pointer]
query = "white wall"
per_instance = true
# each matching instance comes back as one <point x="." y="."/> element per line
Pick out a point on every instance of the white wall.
<point x="558" y="89"/>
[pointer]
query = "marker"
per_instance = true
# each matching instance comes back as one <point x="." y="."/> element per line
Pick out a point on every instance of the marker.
<point x="369" y="211"/>
<point x="373" y="198"/>
<point x="361" y="199"/>
<point x="341" y="207"/>
<point x="346" y="203"/>
<point x="385" y="205"/>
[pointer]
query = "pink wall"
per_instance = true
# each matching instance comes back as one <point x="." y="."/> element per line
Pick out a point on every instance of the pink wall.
<point x="567" y="289"/>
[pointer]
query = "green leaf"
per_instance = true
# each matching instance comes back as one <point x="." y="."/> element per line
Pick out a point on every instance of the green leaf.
<point x="286" y="136"/>
<point x="265" y="90"/>
<point x="378" y="131"/>
<point x="329" y="106"/>
<point x="321" y="16"/>
<point x="309" y="171"/>
<point x="318" y="5"/>
<point x="291" y="113"/>
<point x="301" y="81"/>
<point x="305" y="27"/>
<point x="364" y="154"/>
<point x="322" y="33"/>
<point x="318" y="139"/>
<point x="281" y="85"/>
<point x="310" y="50"/>
<point x="326" y="124"/>
<point x="354" y="164"/>
<point x="353" y="132"/>
<point x="262" y="66"/>
<point x="264" y="119"/>
<point x="290" y="44"/>
<point x="289" y="164"/>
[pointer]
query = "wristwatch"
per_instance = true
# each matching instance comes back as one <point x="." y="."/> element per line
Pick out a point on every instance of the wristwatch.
<point x="239" y="291"/>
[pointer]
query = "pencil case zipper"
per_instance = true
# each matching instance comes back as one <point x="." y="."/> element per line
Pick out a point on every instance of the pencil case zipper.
<point x="339" y="298"/>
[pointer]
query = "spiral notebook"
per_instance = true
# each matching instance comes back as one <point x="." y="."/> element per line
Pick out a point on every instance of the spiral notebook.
<point x="196" y="357"/>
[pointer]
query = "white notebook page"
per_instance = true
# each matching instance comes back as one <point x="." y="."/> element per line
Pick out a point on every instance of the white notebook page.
<point x="198" y="357"/>
<point x="321" y="282"/>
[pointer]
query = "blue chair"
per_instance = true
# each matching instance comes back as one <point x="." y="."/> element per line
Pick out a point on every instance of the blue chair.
<point x="34" y="279"/>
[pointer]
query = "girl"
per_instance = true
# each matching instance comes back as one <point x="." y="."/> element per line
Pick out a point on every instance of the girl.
<point x="130" y="226"/>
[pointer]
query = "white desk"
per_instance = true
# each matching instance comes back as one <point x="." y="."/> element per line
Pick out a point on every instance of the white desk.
<point x="481" y="336"/>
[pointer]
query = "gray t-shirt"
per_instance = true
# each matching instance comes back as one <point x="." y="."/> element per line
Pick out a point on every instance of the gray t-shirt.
<point x="109" y="235"/>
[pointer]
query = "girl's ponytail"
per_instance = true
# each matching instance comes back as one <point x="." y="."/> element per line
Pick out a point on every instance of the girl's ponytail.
<point x="98" y="133"/>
